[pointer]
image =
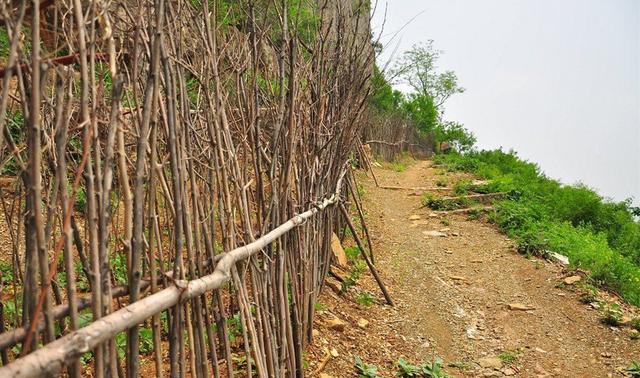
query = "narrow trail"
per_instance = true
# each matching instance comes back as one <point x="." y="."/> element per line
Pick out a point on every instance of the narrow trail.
<point x="453" y="295"/>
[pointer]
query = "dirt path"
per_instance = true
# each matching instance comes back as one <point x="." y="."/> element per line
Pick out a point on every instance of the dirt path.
<point x="453" y="295"/>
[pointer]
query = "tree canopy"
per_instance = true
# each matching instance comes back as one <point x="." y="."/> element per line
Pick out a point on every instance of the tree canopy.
<point x="429" y="91"/>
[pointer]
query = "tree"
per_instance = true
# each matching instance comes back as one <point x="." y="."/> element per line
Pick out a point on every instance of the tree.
<point x="417" y="68"/>
<point x="383" y="96"/>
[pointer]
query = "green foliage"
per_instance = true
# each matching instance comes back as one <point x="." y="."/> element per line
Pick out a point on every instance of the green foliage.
<point x="384" y="97"/>
<point x="453" y="132"/>
<point x="5" y="43"/>
<point x="81" y="200"/>
<point x="434" y="202"/>
<point x="543" y="215"/>
<point x="353" y="253"/>
<point x="119" y="268"/>
<point x="634" y="369"/>
<point x="423" y="112"/>
<point x="612" y="314"/>
<point x="431" y="369"/>
<point x="364" y="299"/>
<point x="234" y="327"/>
<point x="508" y="356"/>
<point x="442" y="182"/>
<point x="417" y="68"/>
<point x="462" y="187"/>
<point x="365" y="370"/>
<point x="145" y="340"/>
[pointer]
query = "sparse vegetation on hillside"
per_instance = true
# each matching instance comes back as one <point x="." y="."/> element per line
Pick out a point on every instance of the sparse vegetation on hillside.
<point x="544" y="215"/>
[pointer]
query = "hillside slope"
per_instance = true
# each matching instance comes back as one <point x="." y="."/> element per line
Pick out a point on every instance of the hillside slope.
<point x="453" y="297"/>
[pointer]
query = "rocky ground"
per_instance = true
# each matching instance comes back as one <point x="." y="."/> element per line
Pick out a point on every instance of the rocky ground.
<point x="464" y="294"/>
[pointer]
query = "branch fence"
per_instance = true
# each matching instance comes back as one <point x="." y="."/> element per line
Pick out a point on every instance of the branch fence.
<point x="170" y="174"/>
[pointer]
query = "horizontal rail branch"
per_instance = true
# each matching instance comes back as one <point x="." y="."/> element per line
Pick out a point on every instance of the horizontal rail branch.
<point x="61" y="311"/>
<point x="50" y="359"/>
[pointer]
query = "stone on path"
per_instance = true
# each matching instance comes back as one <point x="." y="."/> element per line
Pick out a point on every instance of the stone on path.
<point x="336" y="325"/>
<point x="435" y="234"/>
<point x="519" y="307"/>
<point x="490" y="363"/>
<point x="337" y="250"/>
<point x="572" y="280"/>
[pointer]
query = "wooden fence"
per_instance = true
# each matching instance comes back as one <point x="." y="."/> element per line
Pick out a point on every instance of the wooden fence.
<point x="172" y="171"/>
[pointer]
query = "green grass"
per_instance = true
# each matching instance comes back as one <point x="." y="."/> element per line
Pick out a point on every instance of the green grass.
<point x="543" y="215"/>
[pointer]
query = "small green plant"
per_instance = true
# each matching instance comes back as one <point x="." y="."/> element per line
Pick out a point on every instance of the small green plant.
<point x="361" y="190"/>
<point x="319" y="306"/>
<point x="431" y="369"/>
<point x="81" y="200"/>
<point x="436" y="203"/>
<point x="398" y="166"/>
<point x="635" y="323"/>
<point x="442" y="182"/>
<point x="119" y="268"/>
<point x="589" y="295"/>
<point x="462" y="187"/>
<point x="364" y="299"/>
<point x="354" y="275"/>
<point x="612" y="315"/>
<point x="445" y="222"/>
<point x="353" y="253"/>
<point x="508" y="356"/>
<point x="234" y="327"/>
<point x="365" y="370"/>
<point x="634" y="369"/>
<point x="634" y="335"/>
<point x="474" y="214"/>
<point x="406" y="370"/>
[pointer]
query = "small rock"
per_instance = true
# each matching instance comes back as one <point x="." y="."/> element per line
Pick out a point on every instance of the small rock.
<point x="572" y="280"/>
<point x="490" y="362"/>
<point x="363" y="323"/>
<point x="338" y="252"/>
<point x="315" y="333"/>
<point x="325" y="375"/>
<point x="445" y="230"/>
<point x="457" y="278"/>
<point x="540" y="350"/>
<point x="564" y="260"/>
<point x="455" y="234"/>
<point x="508" y="371"/>
<point x="434" y="233"/>
<point x="433" y="215"/>
<point x="334" y="352"/>
<point x="336" y="325"/>
<point x="414" y="217"/>
<point x="519" y="307"/>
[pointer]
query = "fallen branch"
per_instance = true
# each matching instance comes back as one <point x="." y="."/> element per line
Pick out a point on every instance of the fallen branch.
<point x="418" y="188"/>
<point x="466" y="210"/>
<point x="481" y="197"/>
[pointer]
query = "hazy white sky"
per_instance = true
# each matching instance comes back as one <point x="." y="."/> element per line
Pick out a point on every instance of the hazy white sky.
<point x="556" y="80"/>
